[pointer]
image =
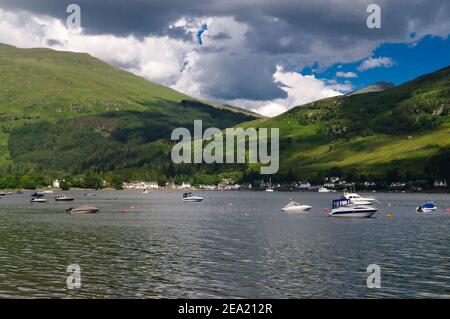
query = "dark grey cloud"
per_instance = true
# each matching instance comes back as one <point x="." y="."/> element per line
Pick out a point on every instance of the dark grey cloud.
<point x="221" y="36"/>
<point x="52" y="42"/>
<point x="234" y="77"/>
<point x="328" y="18"/>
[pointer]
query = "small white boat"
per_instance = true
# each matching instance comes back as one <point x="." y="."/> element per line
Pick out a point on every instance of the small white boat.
<point x="63" y="198"/>
<point x="38" y="200"/>
<point x="294" y="207"/>
<point x="269" y="188"/>
<point x="90" y="194"/>
<point x="48" y="191"/>
<point x="427" y="208"/>
<point x="83" y="210"/>
<point x="323" y="190"/>
<point x="345" y="208"/>
<point x="146" y="191"/>
<point x="188" y="197"/>
<point x="357" y="199"/>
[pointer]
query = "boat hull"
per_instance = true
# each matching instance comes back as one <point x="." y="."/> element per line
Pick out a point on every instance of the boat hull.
<point x="193" y="200"/>
<point x="363" y="201"/>
<point x="299" y="209"/>
<point x="425" y="210"/>
<point x="39" y="200"/>
<point x="349" y="213"/>
<point x="81" y="210"/>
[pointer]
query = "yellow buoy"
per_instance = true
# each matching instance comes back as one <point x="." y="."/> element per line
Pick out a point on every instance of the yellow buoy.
<point x="389" y="215"/>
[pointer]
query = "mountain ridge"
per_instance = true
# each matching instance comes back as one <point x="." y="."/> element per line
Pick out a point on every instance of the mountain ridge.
<point x="374" y="87"/>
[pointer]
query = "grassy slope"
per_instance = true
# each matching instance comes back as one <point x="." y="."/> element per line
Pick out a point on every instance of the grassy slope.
<point x="43" y="84"/>
<point x="376" y="139"/>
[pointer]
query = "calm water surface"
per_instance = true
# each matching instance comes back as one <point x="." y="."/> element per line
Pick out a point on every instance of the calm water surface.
<point x="234" y="245"/>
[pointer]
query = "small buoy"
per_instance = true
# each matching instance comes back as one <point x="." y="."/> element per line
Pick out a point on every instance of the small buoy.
<point x="122" y="211"/>
<point x="326" y="210"/>
<point x="230" y="204"/>
<point x="131" y="207"/>
<point x="447" y="210"/>
<point x="389" y="215"/>
<point x="389" y="205"/>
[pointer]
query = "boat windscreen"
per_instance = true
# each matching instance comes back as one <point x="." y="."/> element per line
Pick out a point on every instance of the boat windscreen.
<point x="429" y="205"/>
<point x="340" y="202"/>
<point x="292" y="203"/>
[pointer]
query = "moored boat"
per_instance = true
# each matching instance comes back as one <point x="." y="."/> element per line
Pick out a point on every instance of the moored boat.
<point x="63" y="198"/>
<point x="83" y="210"/>
<point x="346" y="208"/>
<point x="357" y="199"/>
<point x="188" y="197"/>
<point x="38" y="200"/>
<point x="294" y="207"/>
<point x="427" y="208"/>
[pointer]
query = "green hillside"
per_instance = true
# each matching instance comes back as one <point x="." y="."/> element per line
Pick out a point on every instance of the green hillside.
<point x="69" y="112"/>
<point x="64" y="113"/>
<point x="400" y="131"/>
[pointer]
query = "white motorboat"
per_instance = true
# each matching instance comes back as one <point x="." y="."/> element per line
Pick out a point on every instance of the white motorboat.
<point x="294" y="207"/>
<point x="83" y="210"/>
<point x="323" y="190"/>
<point x="188" y="197"/>
<point x="63" y="198"/>
<point x="427" y="208"/>
<point x="48" y="191"/>
<point x="346" y="208"/>
<point x="269" y="188"/>
<point x="38" y="200"/>
<point x="357" y="199"/>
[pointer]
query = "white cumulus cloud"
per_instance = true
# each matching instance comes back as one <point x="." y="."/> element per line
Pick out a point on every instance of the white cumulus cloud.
<point x="372" y="63"/>
<point x="300" y="89"/>
<point x="346" y="74"/>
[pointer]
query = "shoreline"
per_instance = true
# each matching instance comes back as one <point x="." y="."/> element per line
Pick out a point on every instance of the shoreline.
<point x="193" y="189"/>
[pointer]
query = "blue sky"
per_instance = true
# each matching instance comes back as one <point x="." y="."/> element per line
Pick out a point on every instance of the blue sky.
<point x="410" y="61"/>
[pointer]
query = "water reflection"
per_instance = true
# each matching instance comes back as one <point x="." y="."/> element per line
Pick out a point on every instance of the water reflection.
<point x="162" y="247"/>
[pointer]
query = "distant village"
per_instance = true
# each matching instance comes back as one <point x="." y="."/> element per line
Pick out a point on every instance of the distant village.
<point x="330" y="184"/>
